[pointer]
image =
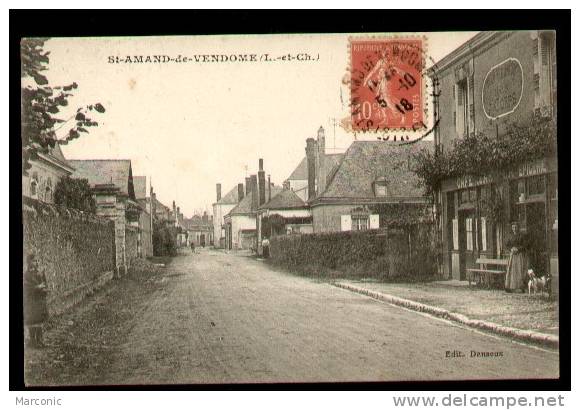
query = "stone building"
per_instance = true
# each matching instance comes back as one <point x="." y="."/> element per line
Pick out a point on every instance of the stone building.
<point x="495" y="81"/>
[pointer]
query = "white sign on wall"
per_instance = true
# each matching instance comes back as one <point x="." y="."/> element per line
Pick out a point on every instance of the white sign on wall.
<point x="502" y="88"/>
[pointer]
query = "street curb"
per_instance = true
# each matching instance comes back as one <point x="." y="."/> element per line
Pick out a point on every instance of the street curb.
<point x="522" y="335"/>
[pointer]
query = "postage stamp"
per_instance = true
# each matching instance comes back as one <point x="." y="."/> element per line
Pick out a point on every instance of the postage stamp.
<point x="386" y="84"/>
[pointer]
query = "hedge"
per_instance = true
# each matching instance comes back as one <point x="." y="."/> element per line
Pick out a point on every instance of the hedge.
<point x="385" y="254"/>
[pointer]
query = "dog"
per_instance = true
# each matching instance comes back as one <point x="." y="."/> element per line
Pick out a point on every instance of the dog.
<point x="538" y="284"/>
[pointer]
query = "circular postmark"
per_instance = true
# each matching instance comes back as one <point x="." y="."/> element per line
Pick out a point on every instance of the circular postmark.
<point x="392" y="94"/>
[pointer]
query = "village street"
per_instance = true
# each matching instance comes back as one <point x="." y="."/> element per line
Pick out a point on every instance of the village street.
<point x="214" y="317"/>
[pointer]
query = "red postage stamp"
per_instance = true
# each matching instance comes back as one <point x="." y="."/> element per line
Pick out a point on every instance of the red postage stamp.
<point x="386" y="84"/>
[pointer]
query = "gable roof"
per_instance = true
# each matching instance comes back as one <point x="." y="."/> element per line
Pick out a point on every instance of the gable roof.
<point x="367" y="161"/>
<point x="285" y="199"/>
<point x="230" y="198"/>
<point x="106" y="171"/>
<point x="301" y="171"/>
<point x="140" y="186"/>
<point x="245" y="206"/>
<point x="160" y="206"/>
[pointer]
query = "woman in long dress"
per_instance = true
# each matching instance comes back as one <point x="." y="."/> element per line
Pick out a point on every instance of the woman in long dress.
<point x="518" y="262"/>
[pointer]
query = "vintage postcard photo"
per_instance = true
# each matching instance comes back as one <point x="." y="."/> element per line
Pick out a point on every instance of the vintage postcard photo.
<point x="290" y="208"/>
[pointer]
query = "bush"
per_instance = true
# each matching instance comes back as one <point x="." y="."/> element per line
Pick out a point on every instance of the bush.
<point x="164" y="240"/>
<point x="402" y="254"/>
<point x="74" y="193"/>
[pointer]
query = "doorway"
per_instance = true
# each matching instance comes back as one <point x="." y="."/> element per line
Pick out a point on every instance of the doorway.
<point x="536" y="229"/>
<point x="467" y="241"/>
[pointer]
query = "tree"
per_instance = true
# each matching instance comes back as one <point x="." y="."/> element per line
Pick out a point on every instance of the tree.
<point x="40" y="102"/>
<point x="74" y="193"/>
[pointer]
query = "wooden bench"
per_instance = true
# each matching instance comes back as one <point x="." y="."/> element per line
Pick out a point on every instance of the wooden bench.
<point x="500" y="269"/>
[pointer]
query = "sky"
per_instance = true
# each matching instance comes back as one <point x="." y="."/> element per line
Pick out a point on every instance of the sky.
<point x="188" y="126"/>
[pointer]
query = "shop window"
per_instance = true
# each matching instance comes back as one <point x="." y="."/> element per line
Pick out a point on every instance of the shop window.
<point x="535" y="185"/>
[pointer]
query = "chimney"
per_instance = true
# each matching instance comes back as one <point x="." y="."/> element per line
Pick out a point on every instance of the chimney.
<point x="269" y="189"/>
<point x="311" y="167"/>
<point x="320" y="161"/>
<point x="218" y="190"/>
<point x="204" y="217"/>
<point x="248" y="186"/>
<point x="261" y="183"/>
<point x="240" y="192"/>
<point x="254" y="191"/>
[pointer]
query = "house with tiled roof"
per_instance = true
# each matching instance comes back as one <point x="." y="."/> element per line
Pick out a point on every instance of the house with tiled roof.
<point x="285" y="213"/>
<point x="39" y="181"/>
<point x="373" y="186"/>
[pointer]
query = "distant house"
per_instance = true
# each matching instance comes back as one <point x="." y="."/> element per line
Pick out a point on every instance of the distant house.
<point x="321" y="163"/>
<point x="240" y="222"/>
<point x="43" y="175"/>
<point x="221" y="208"/>
<point x="285" y="213"/>
<point x="200" y="229"/>
<point x="146" y="216"/>
<point x="373" y="186"/>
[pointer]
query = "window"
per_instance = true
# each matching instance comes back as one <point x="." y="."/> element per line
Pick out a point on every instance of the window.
<point x="545" y="73"/>
<point x="360" y="223"/>
<point x="380" y="186"/>
<point x="469" y="233"/>
<point x="462" y="108"/>
<point x="48" y="189"/>
<point x="359" y="219"/>
<point x="34" y="185"/>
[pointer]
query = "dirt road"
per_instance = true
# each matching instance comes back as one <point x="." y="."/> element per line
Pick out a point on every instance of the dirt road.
<point x="226" y="318"/>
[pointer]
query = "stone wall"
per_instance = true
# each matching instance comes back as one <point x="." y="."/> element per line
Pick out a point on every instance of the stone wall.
<point x="131" y="244"/>
<point x="75" y="250"/>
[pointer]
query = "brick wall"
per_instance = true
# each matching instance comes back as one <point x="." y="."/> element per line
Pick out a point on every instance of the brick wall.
<point x="75" y="250"/>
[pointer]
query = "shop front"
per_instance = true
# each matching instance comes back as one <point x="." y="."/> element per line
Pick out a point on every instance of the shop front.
<point x="477" y="213"/>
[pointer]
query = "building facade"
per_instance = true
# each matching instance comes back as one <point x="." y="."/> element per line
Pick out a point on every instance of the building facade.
<point x="495" y="81"/>
<point x="200" y="230"/>
<point x="44" y="173"/>
<point x="221" y="208"/>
